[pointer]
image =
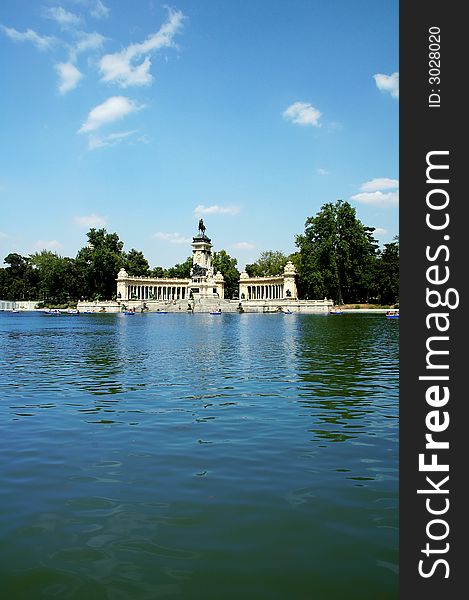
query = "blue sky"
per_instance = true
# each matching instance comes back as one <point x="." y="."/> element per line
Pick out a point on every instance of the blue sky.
<point x="143" y="117"/>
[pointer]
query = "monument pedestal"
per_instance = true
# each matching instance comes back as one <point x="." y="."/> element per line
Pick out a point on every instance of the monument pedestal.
<point x="204" y="283"/>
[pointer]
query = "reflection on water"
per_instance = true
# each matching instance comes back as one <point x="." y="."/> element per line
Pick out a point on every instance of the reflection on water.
<point x="188" y="456"/>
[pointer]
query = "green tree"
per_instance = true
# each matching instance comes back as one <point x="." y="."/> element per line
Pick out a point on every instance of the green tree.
<point x="224" y="263"/>
<point x="51" y="270"/>
<point x="73" y="278"/>
<point x="387" y="273"/>
<point x="268" y="264"/>
<point x="100" y="262"/>
<point x="60" y="279"/>
<point x="136" y="264"/>
<point x="337" y="255"/>
<point x="157" y="272"/>
<point x="4" y="284"/>
<point x="180" y="270"/>
<point x="19" y="279"/>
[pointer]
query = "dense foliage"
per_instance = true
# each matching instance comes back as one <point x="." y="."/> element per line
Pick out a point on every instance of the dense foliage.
<point x="55" y="280"/>
<point x="180" y="270"/>
<point x="223" y="262"/>
<point x="268" y="264"/>
<point x="337" y="258"/>
<point x="387" y="274"/>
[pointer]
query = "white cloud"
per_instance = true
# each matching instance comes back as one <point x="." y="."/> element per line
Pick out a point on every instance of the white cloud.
<point x="42" y="42"/>
<point x="172" y="238"/>
<point x="112" y="109"/>
<point x="100" y="11"/>
<point x="380" y="183"/>
<point x="90" y="221"/>
<point x="3" y="235"/>
<point x="243" y="246"/>
<point x="372" y="192"/>
<point x="61" y="16"/>
<point x="216" y="209"/>
<point x="109" y="140"/>
<point x="323" y="171"/>
<point x="87" y="41"/>
<point x="47" y="245"/>
<point x="380" y="231"/>
<point x="69" y="76"/>
<point x="388" y="83"/>
<point x="302" y="113"/>
<point x="121" y="67"/>
<point x="117" y="68"/>
<point x="377" y="198"/>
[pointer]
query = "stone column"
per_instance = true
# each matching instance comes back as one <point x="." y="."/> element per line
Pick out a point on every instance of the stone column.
<point x="220" y="284"/>
<point x="122" y="285"/>
<point x="289" y="281"/>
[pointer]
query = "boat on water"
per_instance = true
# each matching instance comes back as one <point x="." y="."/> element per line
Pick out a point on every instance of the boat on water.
<point x="73" y="311"/>
<point x="392" y="314"/>
<point x="129" y="312"/>
<point x="335" y="312"/>
<point x="53" y="311"/>
<point x="161" y="312"/>
<point x="215" y="312"/>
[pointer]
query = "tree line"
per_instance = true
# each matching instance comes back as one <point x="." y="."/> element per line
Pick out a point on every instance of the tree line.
<point x="337" y="258"/>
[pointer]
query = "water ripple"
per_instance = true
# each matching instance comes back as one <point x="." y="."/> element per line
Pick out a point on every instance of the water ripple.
<point x="158" y="457"/>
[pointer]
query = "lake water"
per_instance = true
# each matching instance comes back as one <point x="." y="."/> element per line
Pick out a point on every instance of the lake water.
<point x="199" y="457"/>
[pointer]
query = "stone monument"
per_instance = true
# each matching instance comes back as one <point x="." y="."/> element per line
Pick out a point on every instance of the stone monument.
<point x="204" y="283"/>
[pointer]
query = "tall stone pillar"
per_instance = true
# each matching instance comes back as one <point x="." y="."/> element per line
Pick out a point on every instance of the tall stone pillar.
<point x="289" y="281"/>
<point x="122" y="287"/>
<point x="220" y="284"/>
<point x="244" y="288"/>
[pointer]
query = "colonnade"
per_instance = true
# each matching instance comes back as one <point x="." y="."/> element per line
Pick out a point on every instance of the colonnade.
<point x="265" y="292"/>
<point x="155" y="292"/>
